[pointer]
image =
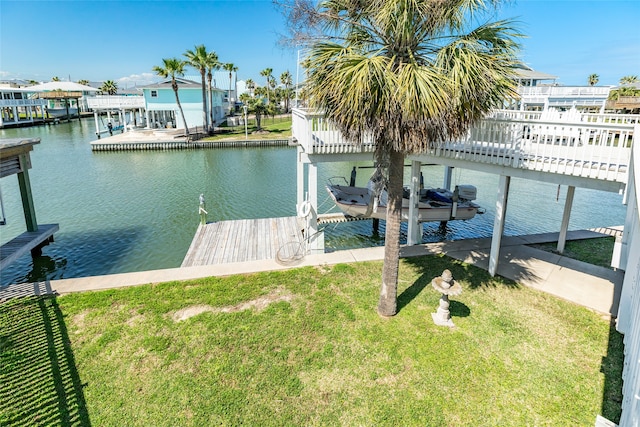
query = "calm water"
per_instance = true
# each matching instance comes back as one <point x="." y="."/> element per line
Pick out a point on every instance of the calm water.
<point x="131" y="211"/>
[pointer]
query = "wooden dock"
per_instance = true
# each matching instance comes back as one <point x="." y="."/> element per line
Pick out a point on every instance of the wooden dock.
<point x="27" y="241"/>
<point x="247" y="240"/>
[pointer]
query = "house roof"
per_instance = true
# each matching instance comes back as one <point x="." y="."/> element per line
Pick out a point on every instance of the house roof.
<point x="65" y="86"/>
<point x="527" y="73"/>
<point x="183" y="83"/>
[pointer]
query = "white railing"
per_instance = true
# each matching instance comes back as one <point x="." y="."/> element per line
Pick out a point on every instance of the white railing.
<point x="115" y="102"/>
<point x="565" y="91"/>
<point x="22" y="102"/>
<point x="518" y="139"/>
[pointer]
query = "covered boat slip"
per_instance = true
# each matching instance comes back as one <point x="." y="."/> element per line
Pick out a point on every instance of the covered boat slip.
<point x="15" y="160"/>
<point x="224" y="242"/>
<point x="580" y="150"/>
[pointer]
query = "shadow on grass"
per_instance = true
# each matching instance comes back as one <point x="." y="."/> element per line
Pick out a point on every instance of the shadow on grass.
<point x="611" y="367"/>
<point x="432" y="266"/>
<point x="39" y="382"/>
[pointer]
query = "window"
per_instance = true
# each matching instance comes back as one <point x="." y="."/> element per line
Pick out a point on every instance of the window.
<point x="154" y="93"/>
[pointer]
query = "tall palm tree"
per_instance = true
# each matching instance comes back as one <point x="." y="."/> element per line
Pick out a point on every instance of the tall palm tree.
<point x="406" y="74"/>
<point x="266" y="73"/>
<point x="173" y="67"/>
<point x="212" y="64"/>
<point x="287" y="81"/>
<point x="109" y="87"/>
<point x="593" y="79"/>
<point x="629" y="80"/>
<point x="198" y="59"/>
<point x="231" y="69"/>
<point x="251" y="85"/>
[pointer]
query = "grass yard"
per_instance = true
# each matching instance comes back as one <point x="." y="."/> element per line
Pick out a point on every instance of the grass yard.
<point x="596" y="251"/>
<point x="278" y="128"/>
<point x="306" y="347"/>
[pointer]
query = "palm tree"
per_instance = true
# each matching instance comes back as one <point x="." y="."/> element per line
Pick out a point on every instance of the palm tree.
<point x="593" y="79"/>
<point x="83" y="82"/>
<point x="406" y="75"/>
<point x="259" y="108"/>
<point x="266" y="73"/>
<point x="231" y="69"/>
<point x="212" y="64"/>
<point x="109" y="87"/>
<point x="629" y="80"/>
<point x="55" y="79"/>
<point x="198" y="59"/>
<point x="251" y="85"/>
<point x="173" y="67"/>
<point x="287" y="81"/>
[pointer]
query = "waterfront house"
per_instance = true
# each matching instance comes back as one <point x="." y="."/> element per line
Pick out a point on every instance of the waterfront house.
<point x="64" y="98"/>
<point x="162" y="109"/>
<point x="20" y="106"/>
<point x="539" y="92"/>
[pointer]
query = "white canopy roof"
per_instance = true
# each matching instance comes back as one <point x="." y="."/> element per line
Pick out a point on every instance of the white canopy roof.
<point x="66" y="86"/>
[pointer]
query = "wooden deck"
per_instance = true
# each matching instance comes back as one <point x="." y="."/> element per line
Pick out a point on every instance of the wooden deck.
<point x="27" y="241"/>
<point x="246" y="240"/>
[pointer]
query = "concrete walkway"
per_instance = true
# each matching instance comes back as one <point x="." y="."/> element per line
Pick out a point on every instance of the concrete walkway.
<point x="597" y="288"/>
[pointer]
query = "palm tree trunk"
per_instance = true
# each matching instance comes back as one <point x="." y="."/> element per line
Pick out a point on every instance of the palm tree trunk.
<point x="205" y="116"/>
<point x="211" y="121"/>
<point x="186" y="127"/>
<point x="387" y="305"/>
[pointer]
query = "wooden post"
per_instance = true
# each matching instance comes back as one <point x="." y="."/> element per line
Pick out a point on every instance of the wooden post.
<point x="352" y="182"/>
<point x="25" y="193"/>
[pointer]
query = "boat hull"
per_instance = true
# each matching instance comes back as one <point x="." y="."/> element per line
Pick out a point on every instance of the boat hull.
<point x="356" y="202"/>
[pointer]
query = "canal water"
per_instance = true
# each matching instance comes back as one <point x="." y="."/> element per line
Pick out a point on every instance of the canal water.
<point x="132" y="211"/>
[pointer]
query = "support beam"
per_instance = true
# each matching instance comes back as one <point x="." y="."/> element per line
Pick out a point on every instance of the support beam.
<point x="414" y="232"/>
<point x="25" y="193"/>
<point x="448" y="171"/>
<point x="498" y="225"/>
<point x="562" y="237"/>
<point x="316" y="241"/>
<point x="299" y="178"/>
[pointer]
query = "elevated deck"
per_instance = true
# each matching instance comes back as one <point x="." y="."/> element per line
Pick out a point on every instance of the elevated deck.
<point x="225" y="242"/>
<point x="29" y="241"/>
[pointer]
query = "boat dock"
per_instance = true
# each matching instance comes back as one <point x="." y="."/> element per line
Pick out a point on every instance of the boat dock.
<point x="171" y="139"/>
<point x="224" y="242"/>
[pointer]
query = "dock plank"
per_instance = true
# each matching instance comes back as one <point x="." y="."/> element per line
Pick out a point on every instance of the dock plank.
<point x="25" y="242"/>
<point x="243" y="240"/>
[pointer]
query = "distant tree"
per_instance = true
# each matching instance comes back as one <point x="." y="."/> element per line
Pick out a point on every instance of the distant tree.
<point x="266" y="73"/>
<point x="83" y="82"/>
<point x="287" y="81"/>
<point x="212" y="64"/>
<point x="231" y="69"/>
<point x="259" y="109"/>
<point x="109" y="87"/>
<point x="629" y="80"/>
<point x="173" y="67"/>
<point x="55" y="79"/>
<point x="33" y="82"/>
<point x="251" y="85"/>
<point x="593" y="79"/>
<point x="198" y="59"/>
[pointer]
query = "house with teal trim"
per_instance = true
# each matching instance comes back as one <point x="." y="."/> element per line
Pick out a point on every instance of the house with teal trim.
<point x="162" y="109"/>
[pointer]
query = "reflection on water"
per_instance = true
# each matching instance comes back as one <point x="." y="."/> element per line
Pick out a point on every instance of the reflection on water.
<point x="133" y="211"/>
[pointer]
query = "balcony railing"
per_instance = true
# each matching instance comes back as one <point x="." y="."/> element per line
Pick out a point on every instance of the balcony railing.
<point x="590" y="145"/>
<point x="565" y="91"/>
<point x="115" y="102"/>
<point x="22" y="102"/>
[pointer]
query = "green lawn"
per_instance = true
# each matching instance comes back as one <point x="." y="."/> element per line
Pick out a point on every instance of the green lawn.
<point x="277" y="128"/>
<point x="306" y="347"/>
<point x="596" y="251"/>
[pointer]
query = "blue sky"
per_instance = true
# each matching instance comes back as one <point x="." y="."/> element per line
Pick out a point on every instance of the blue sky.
<point x="122" y="41"/>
